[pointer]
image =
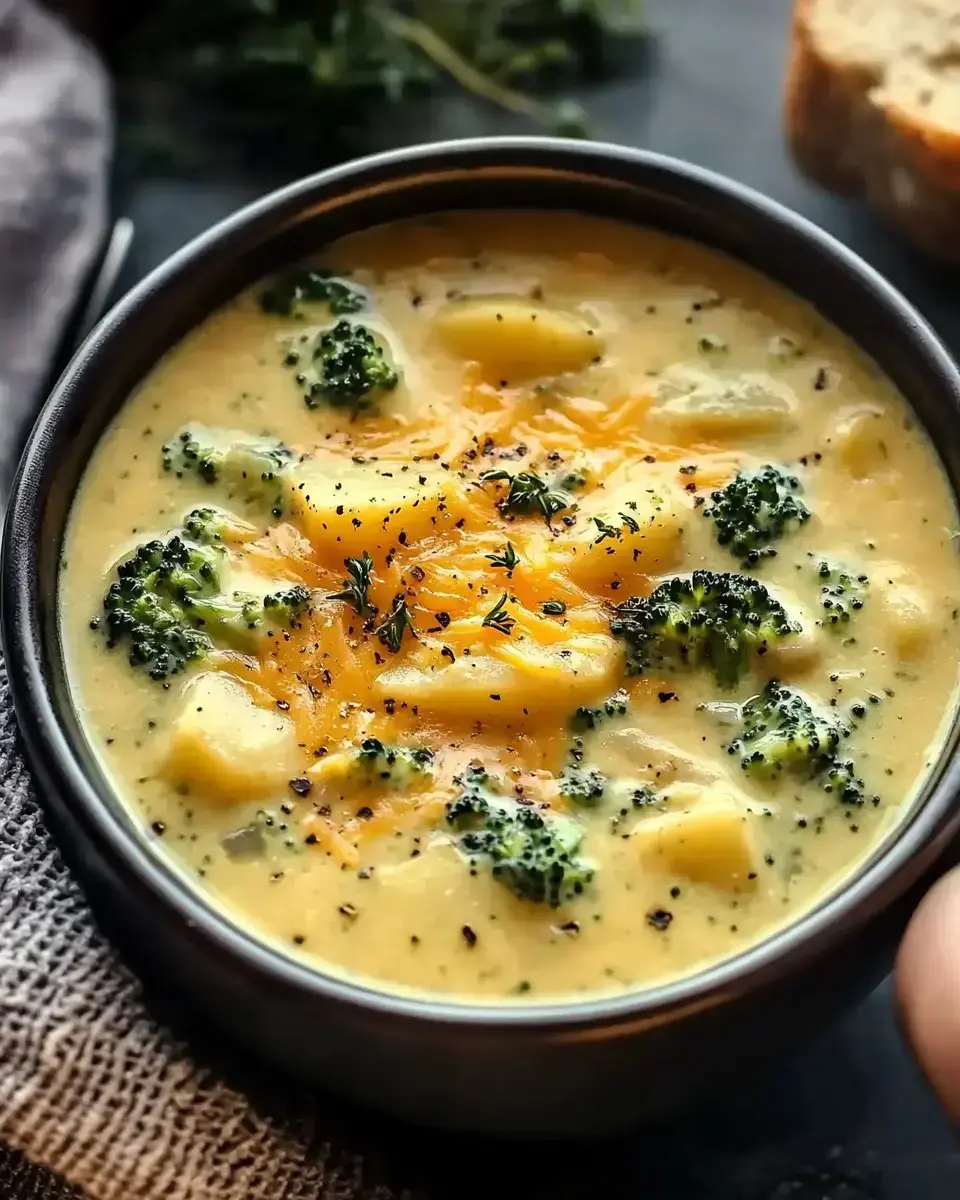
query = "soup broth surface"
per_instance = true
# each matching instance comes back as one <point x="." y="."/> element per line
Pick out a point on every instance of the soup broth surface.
<point x="473" y="756"/>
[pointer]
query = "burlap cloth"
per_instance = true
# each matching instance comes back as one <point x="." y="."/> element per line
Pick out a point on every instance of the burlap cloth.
<point x="92" y="1086"/>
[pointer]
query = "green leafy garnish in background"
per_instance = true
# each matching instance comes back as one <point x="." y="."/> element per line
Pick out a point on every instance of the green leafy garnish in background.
<point x="343" y="58"/>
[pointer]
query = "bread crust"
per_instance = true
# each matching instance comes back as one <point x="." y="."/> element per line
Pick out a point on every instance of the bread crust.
<point x="846" y="142"/>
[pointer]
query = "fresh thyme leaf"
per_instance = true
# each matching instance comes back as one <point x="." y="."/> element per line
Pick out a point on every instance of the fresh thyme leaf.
<point x="553" y="608"/>
<point x="631" y="524"/>
<point x="397" y="623"/>
<point x="497" y="618"/>
<point x="529" y="493"/>
<point x="509" y="558"/>
<point x="606" y="531"/>
<point x="357" y="586"/>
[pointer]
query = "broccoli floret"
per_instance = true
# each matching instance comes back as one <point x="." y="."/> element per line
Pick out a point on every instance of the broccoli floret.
<point x="581" y="785"/>
<point x="585" y="718"/>
<point x="284" y="608"/>
<point x="710" y="618"/>
<point x="756" y="509"/>
<point x="532" y="854"/>
<point x="782" y="730"/>
<point x="168" y="603"/>
<point x="842" y="593"/>
<point x="291" y="292"/>
<point x="344" y="367"/>
<point x="250" y="469"/>
<point x="397" y="766"/>
<point x="210" y="526"/>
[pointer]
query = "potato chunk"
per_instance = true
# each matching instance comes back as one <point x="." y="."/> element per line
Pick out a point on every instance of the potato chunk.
<point x="910" y="619"/>
<point x="518" y="679"/>
<point x="514" y="339"/>
<point x="347" y="507"/>
<point x="635" y="752"/>
<point x="228" y="748"/>
<point x="861" y="439"/>
<point x="634" y="530"/>
<point x="713" y="842"/>
<point x="696" y="403"/>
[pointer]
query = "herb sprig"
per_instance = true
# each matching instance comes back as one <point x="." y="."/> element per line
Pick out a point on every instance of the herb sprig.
<point x="606" y="530"/>
<point x="529" y="493"/>
<point x="395" y="626"/>
<point x="343" y="59"/>
<point x="498" y="618"/>
<point x="508" y="558"/>
<point x="356" y="587"/>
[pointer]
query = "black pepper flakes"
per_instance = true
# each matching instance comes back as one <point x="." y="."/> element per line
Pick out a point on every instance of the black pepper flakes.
<point x="659" y="919"/>
<point x="469" y="935"/>
<point x="301" y="786"/>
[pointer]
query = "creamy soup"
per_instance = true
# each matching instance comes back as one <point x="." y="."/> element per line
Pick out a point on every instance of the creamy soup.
<point x="512" y="605"/>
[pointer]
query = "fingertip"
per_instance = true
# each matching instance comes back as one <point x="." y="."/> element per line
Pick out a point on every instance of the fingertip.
<point x="928" y="988"/>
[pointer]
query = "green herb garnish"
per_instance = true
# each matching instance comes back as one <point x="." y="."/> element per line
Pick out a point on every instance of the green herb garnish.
<point x="498" y="618"/>
<point x="529" y="493"/>
<point x="553" y="608"/>
<point x="392" y="630"/>
<point x="632" y="524"/>
<point x="606" y="531"/>
<point x="356" y="587"/>
<point x="331" y="68"/>
<point x="509" y="558"/>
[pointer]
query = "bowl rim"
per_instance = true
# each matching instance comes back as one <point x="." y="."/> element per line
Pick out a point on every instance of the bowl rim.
<point x="897" y="861"/>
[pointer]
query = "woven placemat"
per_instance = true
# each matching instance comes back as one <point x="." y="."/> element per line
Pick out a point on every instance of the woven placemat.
<point x="96" y="1087"/>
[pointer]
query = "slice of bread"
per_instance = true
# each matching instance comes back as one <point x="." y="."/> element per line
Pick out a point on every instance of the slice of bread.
<point x="873" y="108"/>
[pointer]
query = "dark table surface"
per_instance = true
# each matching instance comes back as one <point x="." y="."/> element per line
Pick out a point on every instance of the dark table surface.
<point x="849" y="1118"/>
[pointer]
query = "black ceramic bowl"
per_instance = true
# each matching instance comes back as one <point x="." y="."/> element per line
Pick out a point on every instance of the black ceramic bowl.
<point x="557" y="1068"/>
